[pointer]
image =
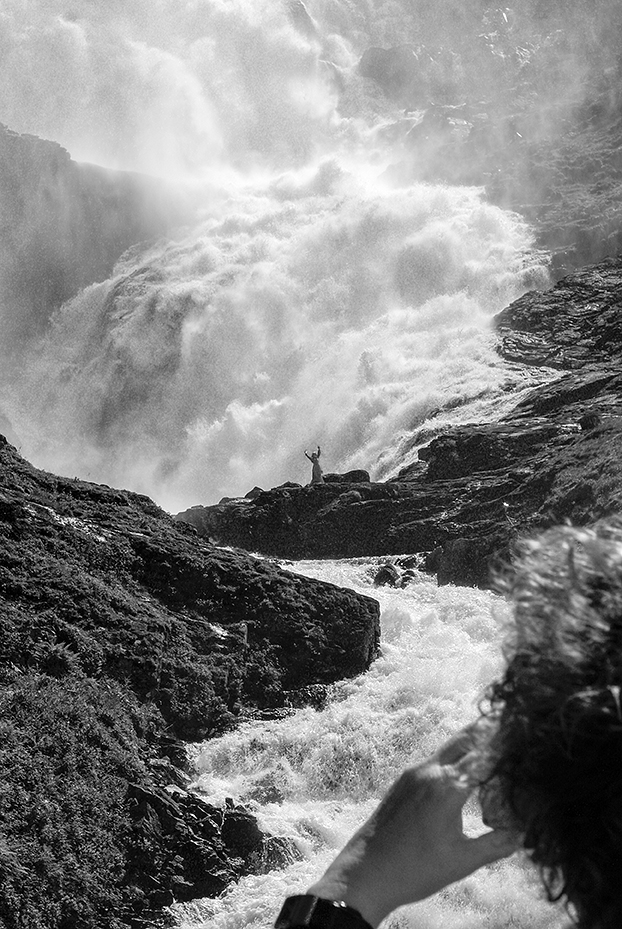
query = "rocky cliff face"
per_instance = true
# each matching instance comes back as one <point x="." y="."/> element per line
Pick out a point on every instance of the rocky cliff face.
<point x="122" y="632"/>
<point x="63" y="225"/>
<point x="527" y="109"/>
<point x="555" y="457"/>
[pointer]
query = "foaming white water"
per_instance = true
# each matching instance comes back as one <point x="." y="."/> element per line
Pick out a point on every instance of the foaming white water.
<point x="313" y="302"/>
<point x="314" y="776"/>
<point x="318" y="307"/>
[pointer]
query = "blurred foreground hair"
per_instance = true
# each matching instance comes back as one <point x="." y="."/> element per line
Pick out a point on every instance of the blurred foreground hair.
<point x="556" y="752"/>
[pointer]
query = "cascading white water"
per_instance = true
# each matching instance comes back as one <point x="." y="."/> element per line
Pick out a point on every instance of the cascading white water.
<point x="322" y="308"/>
<point x="324" y="771"/>
<point x="315" y="300"/>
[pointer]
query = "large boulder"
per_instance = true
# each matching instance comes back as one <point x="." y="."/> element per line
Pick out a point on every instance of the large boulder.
<point x="193" y="628"/>
<point x="387" y="575"/>
<point x="357" y="476"/>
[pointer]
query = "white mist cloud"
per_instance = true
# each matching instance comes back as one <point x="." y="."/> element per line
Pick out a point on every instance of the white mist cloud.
<point x="332" y="313"/>
<point x="166" y="88"/>
<point x="313" y="303"/>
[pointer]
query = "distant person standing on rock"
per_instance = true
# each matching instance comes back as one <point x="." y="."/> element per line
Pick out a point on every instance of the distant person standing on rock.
<point x="316" y="474"/>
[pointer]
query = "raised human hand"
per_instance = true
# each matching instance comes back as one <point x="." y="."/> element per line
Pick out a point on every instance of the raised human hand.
<point x="413" y="844"/>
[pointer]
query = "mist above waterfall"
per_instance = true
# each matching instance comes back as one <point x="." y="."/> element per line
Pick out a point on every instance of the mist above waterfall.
<point x="174" y="88"/>
<point x="319" y="296"/>
<point x="317" y="309"/>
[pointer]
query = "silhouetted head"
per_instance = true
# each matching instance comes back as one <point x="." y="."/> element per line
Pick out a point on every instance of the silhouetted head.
<point x="555" y="754"/>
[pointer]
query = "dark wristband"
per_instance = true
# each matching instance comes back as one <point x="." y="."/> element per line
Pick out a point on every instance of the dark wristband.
<point x="305" y="911"/>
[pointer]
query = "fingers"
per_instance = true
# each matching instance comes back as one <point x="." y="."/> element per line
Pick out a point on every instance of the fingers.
<point x="465" y="753"/>
<point x="500" y="843"/>
<point x="456" y="747"/>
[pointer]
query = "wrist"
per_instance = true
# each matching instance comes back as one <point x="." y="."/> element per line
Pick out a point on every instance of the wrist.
<point x="310" y="911"/>
<point x="345" y="893"/>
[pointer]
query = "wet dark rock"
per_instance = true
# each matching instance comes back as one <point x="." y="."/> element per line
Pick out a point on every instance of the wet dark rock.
<point x="174" y="750"/>
<point x="181" y="622"/>
<point x="241" y="832"/>
<point x="208" y="846"/>
<point x="468" y="561"/>
<point x="168" y="772"/>
<point x="315" y="695"/>
<point x="575" y="324"/>
<point x="590" y="420"/>
<point x="277" y="852"/>
<point x="358" y="476"/>
<point x="407" y="578"/>
<point x="387" y="575"/>
<point x="350" y="496"/>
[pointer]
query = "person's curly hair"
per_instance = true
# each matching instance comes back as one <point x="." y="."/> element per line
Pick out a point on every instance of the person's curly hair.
<point x="556" y="750"/>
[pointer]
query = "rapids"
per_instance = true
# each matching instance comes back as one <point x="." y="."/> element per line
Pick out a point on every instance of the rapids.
<point x="313" y="776"/>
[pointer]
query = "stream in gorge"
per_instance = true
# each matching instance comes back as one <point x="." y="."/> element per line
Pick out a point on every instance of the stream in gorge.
<point x="324" y="292"/>
<point x="314" y="776"/>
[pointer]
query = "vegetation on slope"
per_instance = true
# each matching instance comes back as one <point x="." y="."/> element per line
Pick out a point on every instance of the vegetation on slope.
<point x="67" y="752"/>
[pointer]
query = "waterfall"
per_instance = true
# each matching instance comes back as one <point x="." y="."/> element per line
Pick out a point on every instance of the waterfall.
<point x="314" y="776"/>
<point x="321" y="309"/>
<point x="318" y="297"/>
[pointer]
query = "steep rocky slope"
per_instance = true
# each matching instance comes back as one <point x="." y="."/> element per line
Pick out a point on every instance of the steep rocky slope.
<point x="556" y="456"/>
<point x="63" y="225"/>
<point x="123" y="632"/>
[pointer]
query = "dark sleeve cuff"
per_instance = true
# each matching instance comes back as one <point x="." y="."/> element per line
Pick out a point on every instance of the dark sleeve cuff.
<point x="305" y="911"/>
